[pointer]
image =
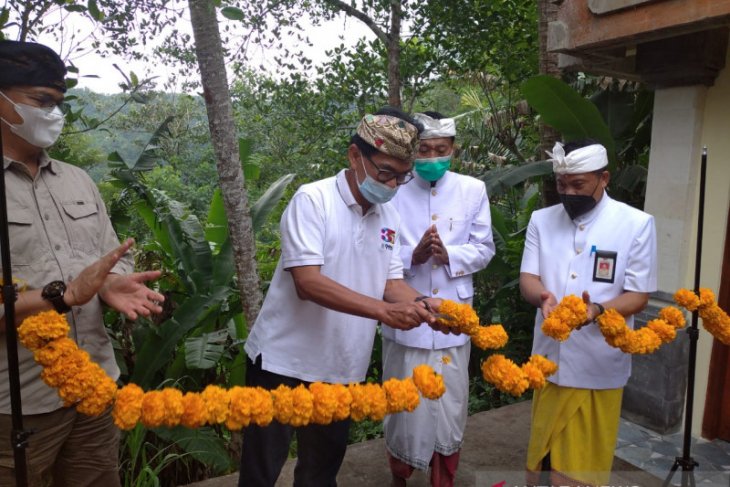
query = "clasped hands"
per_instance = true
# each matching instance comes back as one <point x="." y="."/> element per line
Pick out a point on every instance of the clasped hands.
<point x="429" y="246"/>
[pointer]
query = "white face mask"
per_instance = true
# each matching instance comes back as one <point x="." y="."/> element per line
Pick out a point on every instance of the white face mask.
<point x="41" y="127"/>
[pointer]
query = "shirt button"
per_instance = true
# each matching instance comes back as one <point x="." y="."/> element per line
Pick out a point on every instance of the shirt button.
<point x="581" y="227"/>
<point x="434" y="217"/>
<point x="433" y="192"/>
<point x="46" y="216"/>
<point x="573" y="275"/>
<point x="435" y="291"/>
<point x="57" y="247"/>
<point x="434" y="266"/>
<point x="578" y="251"/>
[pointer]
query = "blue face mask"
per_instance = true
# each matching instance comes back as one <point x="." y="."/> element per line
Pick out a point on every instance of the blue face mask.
<point x="375" y="191"/>
<point x="433" y="168"/>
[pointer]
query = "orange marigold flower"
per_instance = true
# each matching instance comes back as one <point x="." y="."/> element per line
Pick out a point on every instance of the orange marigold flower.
<point x="262" y="407"/>
<point x="174" y="408"/>
<point x="663" y="330"/>
<point x="81" y="384"/>
<point x="153" y="409"/>
<point x="402" y="395"/>
<point x="641" y="341"/>
<point x="490" y="337"/>
<point x="37" y="330"/>
<point x="128" y="406"/>
<point x="101" y="397"/>
<point x="324" y="402"/>
<point x="283" y="404"/>
<point x="344" y="400"/>
<point x="216" y="403"/>
<point x="54" y="351"/>
<point x="687" y="299"/>
<point x="673" y="316"/>
<point x="62" y="370"/>
<point x="534" y="375"/>
<point x="716" y="321"/>
<point x="360" y="406"/>
<point x="707" y="297"/>
<point x="194" y="412"/>
<point x="545" y="365"/>
<point x="612" y="323"/>
<point x="429" y="383"/>
<point x="239" y="407"/>
<point x="302" y="406"/>
<point x="505" y="375"/>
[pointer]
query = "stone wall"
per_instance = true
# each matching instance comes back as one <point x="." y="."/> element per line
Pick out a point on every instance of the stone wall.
<point x="655" y="395"/>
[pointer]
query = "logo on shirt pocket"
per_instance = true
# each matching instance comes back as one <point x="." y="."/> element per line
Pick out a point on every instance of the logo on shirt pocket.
<point x="388" y="237"/>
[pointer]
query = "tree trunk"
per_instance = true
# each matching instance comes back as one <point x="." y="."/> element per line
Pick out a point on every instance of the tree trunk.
<point x="394" y="54"/>
<point x="548" y="64"/>
<point x="209" y="51"/>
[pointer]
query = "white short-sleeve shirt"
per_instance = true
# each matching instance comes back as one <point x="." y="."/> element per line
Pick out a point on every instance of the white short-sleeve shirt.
<point x="323" y="225"/>
<point x="607" y="251"/>
<point x="459" y="207"/>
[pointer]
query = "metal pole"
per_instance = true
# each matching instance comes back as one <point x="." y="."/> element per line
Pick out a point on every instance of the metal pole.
<point x="18" y="437"/>
<point x="687" y="463"/>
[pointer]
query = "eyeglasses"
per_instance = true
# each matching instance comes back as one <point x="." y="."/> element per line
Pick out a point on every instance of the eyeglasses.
<point x="385" y="175"/>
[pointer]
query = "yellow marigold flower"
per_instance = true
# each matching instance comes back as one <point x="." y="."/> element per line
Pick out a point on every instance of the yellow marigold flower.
<point x="612" y="323"/>
<point x="707" y="297"/>
<point x="37" y="330"/>
<point x="216" y="403"/>
<point x="687" y="299"/>
<point x="490" y="337"/>
<point x="239" y="407"/>
<point x="262" y="407"/>
<point x="505" y="375"/>
<point x="194" y="412"/>
<point x="54" y="351"/>
<point x="673" y="316"/>
<point x="402" y="395"/>
<point x="716" y="321"/>
<point x="429" y="383"/>
<point x="464" y="318"/>
<point x="174" y="408"/>
<point x="101" y="397"/>
<point x="663" y="330"/>
<point x="81" y="384"/>
<point x="62" y="370"/>
<point x="569" y="313"/>
<point x="302" y="406"/>
<point x="378" y="406"/>
<point x="545" y="365"/>
<point x="128" y="406"/>
<point x="283" y="404"/>
<point x="344" y="400"/>
<point x="360" y="406"/>
<point x="555" y="328"/>
<point x="641" y="341"/>
<point x="324" y="402"/>
<point x="153" y="409"/>
<point x="534" y="375"/>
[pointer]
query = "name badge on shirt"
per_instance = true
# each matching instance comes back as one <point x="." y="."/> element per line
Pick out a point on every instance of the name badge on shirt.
<point x="604" y="266"/>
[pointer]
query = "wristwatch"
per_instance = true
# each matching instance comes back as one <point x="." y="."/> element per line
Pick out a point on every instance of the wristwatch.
<point x="53" y="292"/>
<point x="601" y="310"/>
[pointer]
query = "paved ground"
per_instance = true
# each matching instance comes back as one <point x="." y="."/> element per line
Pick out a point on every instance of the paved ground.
<point x="494" y="451"/>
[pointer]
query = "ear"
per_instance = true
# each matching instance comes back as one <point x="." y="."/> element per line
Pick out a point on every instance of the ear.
<point x="353" y="155"/>
<point x="605" y="178"/>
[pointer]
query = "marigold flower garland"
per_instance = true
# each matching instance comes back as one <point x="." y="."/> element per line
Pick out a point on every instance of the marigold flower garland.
<point x="572" y="312"/>
<point x="463" y="318"/>
<point x="498" y="370"/>
<point x="714" y="319"/>
<point x="83" y="383"/>
<point x="508" y="377"/>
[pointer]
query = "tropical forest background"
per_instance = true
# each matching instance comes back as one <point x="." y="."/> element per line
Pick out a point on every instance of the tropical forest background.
<point x="200" y="181"/>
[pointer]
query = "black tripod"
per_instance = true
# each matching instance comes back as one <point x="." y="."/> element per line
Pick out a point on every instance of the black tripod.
<point x="688" y="463"/>
<point x="18" y="436"/>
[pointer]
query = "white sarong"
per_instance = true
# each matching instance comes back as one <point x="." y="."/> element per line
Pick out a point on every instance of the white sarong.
<point x="435" y="426"/>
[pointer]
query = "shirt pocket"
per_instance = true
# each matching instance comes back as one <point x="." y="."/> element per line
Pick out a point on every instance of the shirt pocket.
<point x="23" y="241"/>
<point x="454" y="230"/>
<point x="465" y="291"/>
<point x="82" y="223"/>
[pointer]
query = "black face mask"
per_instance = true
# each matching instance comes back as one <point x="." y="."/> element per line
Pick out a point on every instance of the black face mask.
<point x="577" y="204"/>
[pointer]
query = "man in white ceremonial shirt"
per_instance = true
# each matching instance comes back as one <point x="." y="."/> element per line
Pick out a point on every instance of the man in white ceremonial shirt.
<point x="446" y="236"/>
<point x="605" y="251"/>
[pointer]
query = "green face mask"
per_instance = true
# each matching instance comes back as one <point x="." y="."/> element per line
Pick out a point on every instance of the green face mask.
<point x="433" y="168"/>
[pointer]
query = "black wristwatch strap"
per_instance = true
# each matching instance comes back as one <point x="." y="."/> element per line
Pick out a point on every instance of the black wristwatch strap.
<point x="425" y="303"/>
<point x="601" y="310"/>
<point x="53" y="292"/>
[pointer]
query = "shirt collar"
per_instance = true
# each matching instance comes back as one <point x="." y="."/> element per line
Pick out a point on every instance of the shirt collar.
<point x="589" y="216"/>
<point x="346" y="194"/>
<point x="45" y="162"/>
<point x="422" y="183"/>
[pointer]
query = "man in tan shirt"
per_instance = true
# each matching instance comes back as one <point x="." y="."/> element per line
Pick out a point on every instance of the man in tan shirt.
<point x="63" y="247"/>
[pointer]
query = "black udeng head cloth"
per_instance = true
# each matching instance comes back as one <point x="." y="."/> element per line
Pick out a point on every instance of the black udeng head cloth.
<point x="30" y="64"/>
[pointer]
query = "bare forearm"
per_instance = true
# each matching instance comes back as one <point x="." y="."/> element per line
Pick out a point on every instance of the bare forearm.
<point x="320" y="289"/>
<point x="398" y="291"/>
<point x="531" y="288"/>
<point x="27" y="304"/>
<point x="628" y="303"/>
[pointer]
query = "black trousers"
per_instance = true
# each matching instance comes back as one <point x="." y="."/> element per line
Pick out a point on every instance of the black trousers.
<point x="320" y="448"/>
